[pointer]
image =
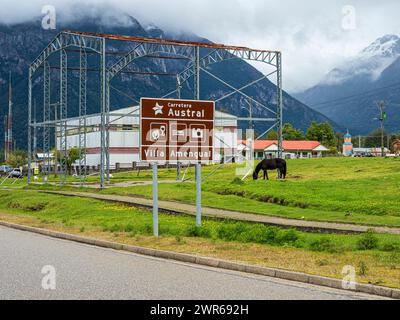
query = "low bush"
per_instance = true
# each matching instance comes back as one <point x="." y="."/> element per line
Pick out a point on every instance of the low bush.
<point x="257" y="233"/>
<point x="323" y="244"/>
<point x="237" y="181"/>
<point x="390" y="246"/>
<point x="196" y="231"/>
<point x="367" y="241"/>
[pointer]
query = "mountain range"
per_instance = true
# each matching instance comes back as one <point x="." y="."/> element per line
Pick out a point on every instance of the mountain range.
<point x="349" y="93"/>
<point x="21" y="43"/>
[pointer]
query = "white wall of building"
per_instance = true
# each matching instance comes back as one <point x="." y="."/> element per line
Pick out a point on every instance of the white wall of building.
<point x="124" y="137"/>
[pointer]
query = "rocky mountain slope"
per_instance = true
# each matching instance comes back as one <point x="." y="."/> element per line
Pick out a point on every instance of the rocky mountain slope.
<point x="348" y="94"/>
<point x="20" y="44"/>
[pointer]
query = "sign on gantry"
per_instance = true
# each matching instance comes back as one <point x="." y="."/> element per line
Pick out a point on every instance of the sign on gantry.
<point x="176" y="130"/>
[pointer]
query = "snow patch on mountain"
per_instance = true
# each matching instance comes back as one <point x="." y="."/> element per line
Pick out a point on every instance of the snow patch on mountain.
<point x="370" y="62"/>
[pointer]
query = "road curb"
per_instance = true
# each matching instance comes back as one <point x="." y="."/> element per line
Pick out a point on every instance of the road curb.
<point x="212" y="262"/>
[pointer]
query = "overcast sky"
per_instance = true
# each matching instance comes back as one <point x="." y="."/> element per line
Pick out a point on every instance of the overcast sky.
<point x="313" y="35"/>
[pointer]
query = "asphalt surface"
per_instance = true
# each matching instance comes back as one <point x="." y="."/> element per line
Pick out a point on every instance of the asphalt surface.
<point x="89" y="272"/>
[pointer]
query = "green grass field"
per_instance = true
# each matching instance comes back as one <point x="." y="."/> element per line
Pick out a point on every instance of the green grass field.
<point x="253" y="243"/>
<point x="352" y="190"/>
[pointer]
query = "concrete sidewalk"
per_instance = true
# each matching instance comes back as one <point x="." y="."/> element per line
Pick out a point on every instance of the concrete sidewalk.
<point x="179" y="208"/>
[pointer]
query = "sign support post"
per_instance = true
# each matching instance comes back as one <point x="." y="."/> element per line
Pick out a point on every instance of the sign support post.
<point x="176" y="131"/>
<point x="155" y="199"/>
<point x="198" y="194"/>
<point x="178" y="171"/>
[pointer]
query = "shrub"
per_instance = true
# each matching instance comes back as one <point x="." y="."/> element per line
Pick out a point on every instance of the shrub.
<point x="237" y="181"/>
<point x="323" y="244"/>
<point x="148" y="228"/>
<point x="231" y="231"/>
<point x="129" y="228"/>
<point x="257" y="233"/>
<point x="363" y="268"/>
<point x="391" y="246"/>
<point x="271" y="234"/>
<point x="196" y="231"/>
<point x="287" y="236"/>
<point x="367" y="241"/>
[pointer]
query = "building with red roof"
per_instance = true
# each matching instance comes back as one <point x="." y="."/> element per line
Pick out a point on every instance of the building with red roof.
<point x="291" y="148"/>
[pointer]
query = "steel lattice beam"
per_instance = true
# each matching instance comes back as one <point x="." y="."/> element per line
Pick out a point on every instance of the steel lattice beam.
<point x="279" y="103"/>
<point x="62" y="41"/>
<point x="63" y="115"/>
<point x="46" y="117"/>
<point x="82" y="114"/>
<point x="147" y="49"/>
<point x="143" y="47"/>
<point x="103" y="104"/>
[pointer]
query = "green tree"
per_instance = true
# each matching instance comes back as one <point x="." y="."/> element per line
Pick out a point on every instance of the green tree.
<point x="271" y="135"/>
<point x="393" y="137"/>
<point x="373" y="140"/>
<point x="72" y="156"/>
<point x="339" y="140"/>
<point x="322" y="132"/>
<point x="17" y="158"/>
<point x="2" y="160"/>
<point x="291" y="133"/>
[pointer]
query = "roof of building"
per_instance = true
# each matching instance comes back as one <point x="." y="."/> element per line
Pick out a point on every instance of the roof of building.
<point x="286" y="144"/>
<point x="347" y="135"/>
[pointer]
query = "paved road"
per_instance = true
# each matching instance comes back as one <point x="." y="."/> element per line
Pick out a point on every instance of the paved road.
<point x="88" y="272"/>
<point x="330" y="227"/>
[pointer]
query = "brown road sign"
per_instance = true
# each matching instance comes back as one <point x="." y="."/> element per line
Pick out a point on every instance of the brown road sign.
<point x="176" y="130"/>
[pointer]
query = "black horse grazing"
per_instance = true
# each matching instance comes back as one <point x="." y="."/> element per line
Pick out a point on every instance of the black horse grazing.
<point x="271" y="164"/>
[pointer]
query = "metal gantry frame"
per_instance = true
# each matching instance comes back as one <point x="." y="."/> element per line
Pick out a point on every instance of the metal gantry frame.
<point x="82" y="114"/>
<point x="91" y="43"/>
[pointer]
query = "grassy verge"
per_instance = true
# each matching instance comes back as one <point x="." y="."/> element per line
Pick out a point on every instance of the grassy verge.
<point x="376" y="257"/>
<point x="350" y="190"/>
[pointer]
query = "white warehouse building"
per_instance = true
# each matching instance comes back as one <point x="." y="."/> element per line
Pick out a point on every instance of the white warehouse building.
<point x="124" y="137"/>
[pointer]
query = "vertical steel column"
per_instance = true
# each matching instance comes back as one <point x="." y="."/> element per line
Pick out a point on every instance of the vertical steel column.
<point x="55" y="106"/>
<point x="198" y="194"/>
<point x="155" y="200"/>
<point x="178" y="92"/>
<point x="279" y="102"/>
<point x="103" y="147"/>
<point x="107" y="91"/>
<point x="198" y="165"/>
<point x="29" y="124"/>
<point x="34" y="129"/>
<point x="46" y="120"/>
<point x="196" y="82"/>
<point x="82" y="114"/>
<point x="178" y="86"/>
<point x="63" y="115"/>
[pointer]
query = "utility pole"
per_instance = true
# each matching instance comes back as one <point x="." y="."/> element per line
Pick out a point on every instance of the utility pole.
<point x="382" y="118"/>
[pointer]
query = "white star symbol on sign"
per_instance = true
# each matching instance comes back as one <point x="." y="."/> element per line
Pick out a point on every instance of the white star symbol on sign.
<point x="158" y="109"/>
